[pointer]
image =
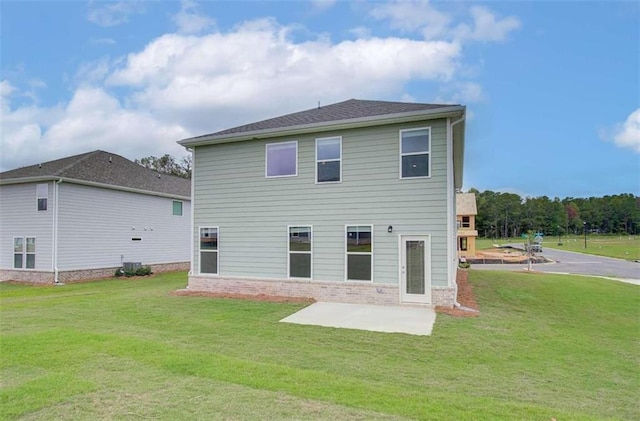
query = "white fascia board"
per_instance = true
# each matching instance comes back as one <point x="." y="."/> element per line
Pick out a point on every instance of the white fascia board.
<point x="7" y="181"/>
<point x="378" y="120"/>
<point x="25" y="180"/>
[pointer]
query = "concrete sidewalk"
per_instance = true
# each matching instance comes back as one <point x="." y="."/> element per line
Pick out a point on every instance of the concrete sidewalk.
<point x="391" y="319"/>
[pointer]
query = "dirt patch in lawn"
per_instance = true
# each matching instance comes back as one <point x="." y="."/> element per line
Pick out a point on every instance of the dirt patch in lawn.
<point x="259" y="297"/>
<point x="504" y="253"/>
<point x="466" y="298"/>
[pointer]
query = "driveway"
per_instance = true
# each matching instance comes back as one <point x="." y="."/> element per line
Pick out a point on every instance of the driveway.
<point x="580" y="264"/>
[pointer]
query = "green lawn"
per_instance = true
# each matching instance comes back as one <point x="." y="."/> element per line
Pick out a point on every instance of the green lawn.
<point x="544" y="346"/>
<point x="619" y="246"/>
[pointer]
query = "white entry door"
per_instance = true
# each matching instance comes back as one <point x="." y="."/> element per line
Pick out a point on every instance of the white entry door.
<point x="415" y="269"/>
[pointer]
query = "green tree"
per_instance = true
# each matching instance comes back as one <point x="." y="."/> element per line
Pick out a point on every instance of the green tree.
<point x="167" y="164"/>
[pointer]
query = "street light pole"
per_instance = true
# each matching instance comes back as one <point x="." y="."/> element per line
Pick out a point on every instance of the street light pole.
<point x="584" y="224"/>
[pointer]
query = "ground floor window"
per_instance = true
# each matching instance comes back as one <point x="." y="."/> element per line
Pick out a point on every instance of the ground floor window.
<point x="359" y="253"/>
<point x="300" y="251"/>
<point x="463" y="243"/>
<point x="24" y="253"/>
<point x="209" y="250"/>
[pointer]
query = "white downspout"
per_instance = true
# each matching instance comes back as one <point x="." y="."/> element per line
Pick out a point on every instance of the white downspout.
<point x="454" y="237"/>
<point x="56" y="199"/>
<point x="193" y="199"/>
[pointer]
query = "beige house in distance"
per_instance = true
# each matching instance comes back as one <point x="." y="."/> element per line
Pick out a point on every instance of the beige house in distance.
<point x="466" y="212"/>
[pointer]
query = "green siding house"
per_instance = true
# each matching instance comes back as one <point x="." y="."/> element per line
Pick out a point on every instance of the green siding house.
<point x="350" y="202"/>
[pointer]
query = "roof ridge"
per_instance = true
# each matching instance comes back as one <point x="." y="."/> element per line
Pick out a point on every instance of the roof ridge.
<point x="74" y="163"/>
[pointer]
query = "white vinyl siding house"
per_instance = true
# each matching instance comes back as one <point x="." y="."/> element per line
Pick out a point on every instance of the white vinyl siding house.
<point x="363" y="200"/>
<point x="82" y="217"/>
<point x="97" y="228"/>
<point x="21" y="219"/>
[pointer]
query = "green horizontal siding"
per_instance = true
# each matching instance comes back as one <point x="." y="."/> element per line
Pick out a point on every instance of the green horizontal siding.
<point x="253" y="212"/>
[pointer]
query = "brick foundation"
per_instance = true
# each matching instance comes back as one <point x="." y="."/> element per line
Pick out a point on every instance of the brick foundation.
<point x="443" y="296"/>
<point x="339" y="292"/>
<point x="69" y="276"/>
<point x="26" y="276"/>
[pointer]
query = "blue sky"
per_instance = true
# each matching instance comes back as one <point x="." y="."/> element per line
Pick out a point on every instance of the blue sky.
<point x="552" y="88"/>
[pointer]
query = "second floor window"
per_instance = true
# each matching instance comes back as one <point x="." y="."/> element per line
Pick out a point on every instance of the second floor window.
<point x="466" y="222"/>
<point x="415" y="153"/>
<point x="42" y="193"/>
<point x="177" y="208"/>
<point x="281" y="159"/>
<point x="329" y="160"/>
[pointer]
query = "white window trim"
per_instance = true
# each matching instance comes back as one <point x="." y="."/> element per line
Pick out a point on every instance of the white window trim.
<point x="266" y="159"/>
<point x="45" y="197"/>
<point x="329" y="160"/>
<point x="347" y="253"/>
<point x="299" y="252"/>
<point x="209" y="251"/>
<point x="24" y="252"/>
<point x="181" y="209"/>
<point x="428" y="128"/>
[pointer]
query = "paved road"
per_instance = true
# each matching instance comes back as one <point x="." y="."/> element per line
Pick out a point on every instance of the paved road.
<point x="579" y="263"/>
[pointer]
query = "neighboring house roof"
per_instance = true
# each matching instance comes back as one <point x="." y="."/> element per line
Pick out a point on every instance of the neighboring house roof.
<point x="103" y="169"/>
<point x="466" y="204"/>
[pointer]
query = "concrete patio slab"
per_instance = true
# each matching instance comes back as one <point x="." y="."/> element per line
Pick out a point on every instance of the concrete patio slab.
<point x="391" y="319"/>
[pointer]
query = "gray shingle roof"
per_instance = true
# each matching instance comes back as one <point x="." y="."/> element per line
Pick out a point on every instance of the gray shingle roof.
<point x="105" y="168"/>
<point x="346" y="110"/>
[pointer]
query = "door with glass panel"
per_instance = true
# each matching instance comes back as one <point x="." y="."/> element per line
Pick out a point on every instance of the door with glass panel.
<point x="415" y="269"/>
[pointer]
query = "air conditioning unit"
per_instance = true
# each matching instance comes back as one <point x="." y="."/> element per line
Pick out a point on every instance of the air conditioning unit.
<point x="131" y="266"/>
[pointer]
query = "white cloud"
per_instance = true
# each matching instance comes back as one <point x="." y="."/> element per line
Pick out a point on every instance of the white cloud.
<point x="486" y="27"/>
<point x="323" y="4"/>
<point x="92" y="72"/>
<point x="184" y="84"/>
<point x="93" y="119"/>
<point x="413" y="15"/>
<point x="256" y="69"/>
<point x="6" y="89"/>
<point x="627" y="134"/>
<point x="461" y="93"/>
<point x="113" y="13"/>
<point x="360" y="32"/>
<point x="189" y="21"/>
<point x="422" y="16"/>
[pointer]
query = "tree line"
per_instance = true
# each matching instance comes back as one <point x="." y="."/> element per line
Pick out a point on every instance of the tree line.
<point x="503" y="215"/>
<point x="167" y="164"/>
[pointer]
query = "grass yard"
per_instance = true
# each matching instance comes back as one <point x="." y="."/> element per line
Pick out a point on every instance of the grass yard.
<point x="620" y="246"/>
<point x="544" y="346"/>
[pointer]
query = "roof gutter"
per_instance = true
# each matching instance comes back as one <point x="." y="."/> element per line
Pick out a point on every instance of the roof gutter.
<point x="378" y="120"/>
<point x="92" y="184"/>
